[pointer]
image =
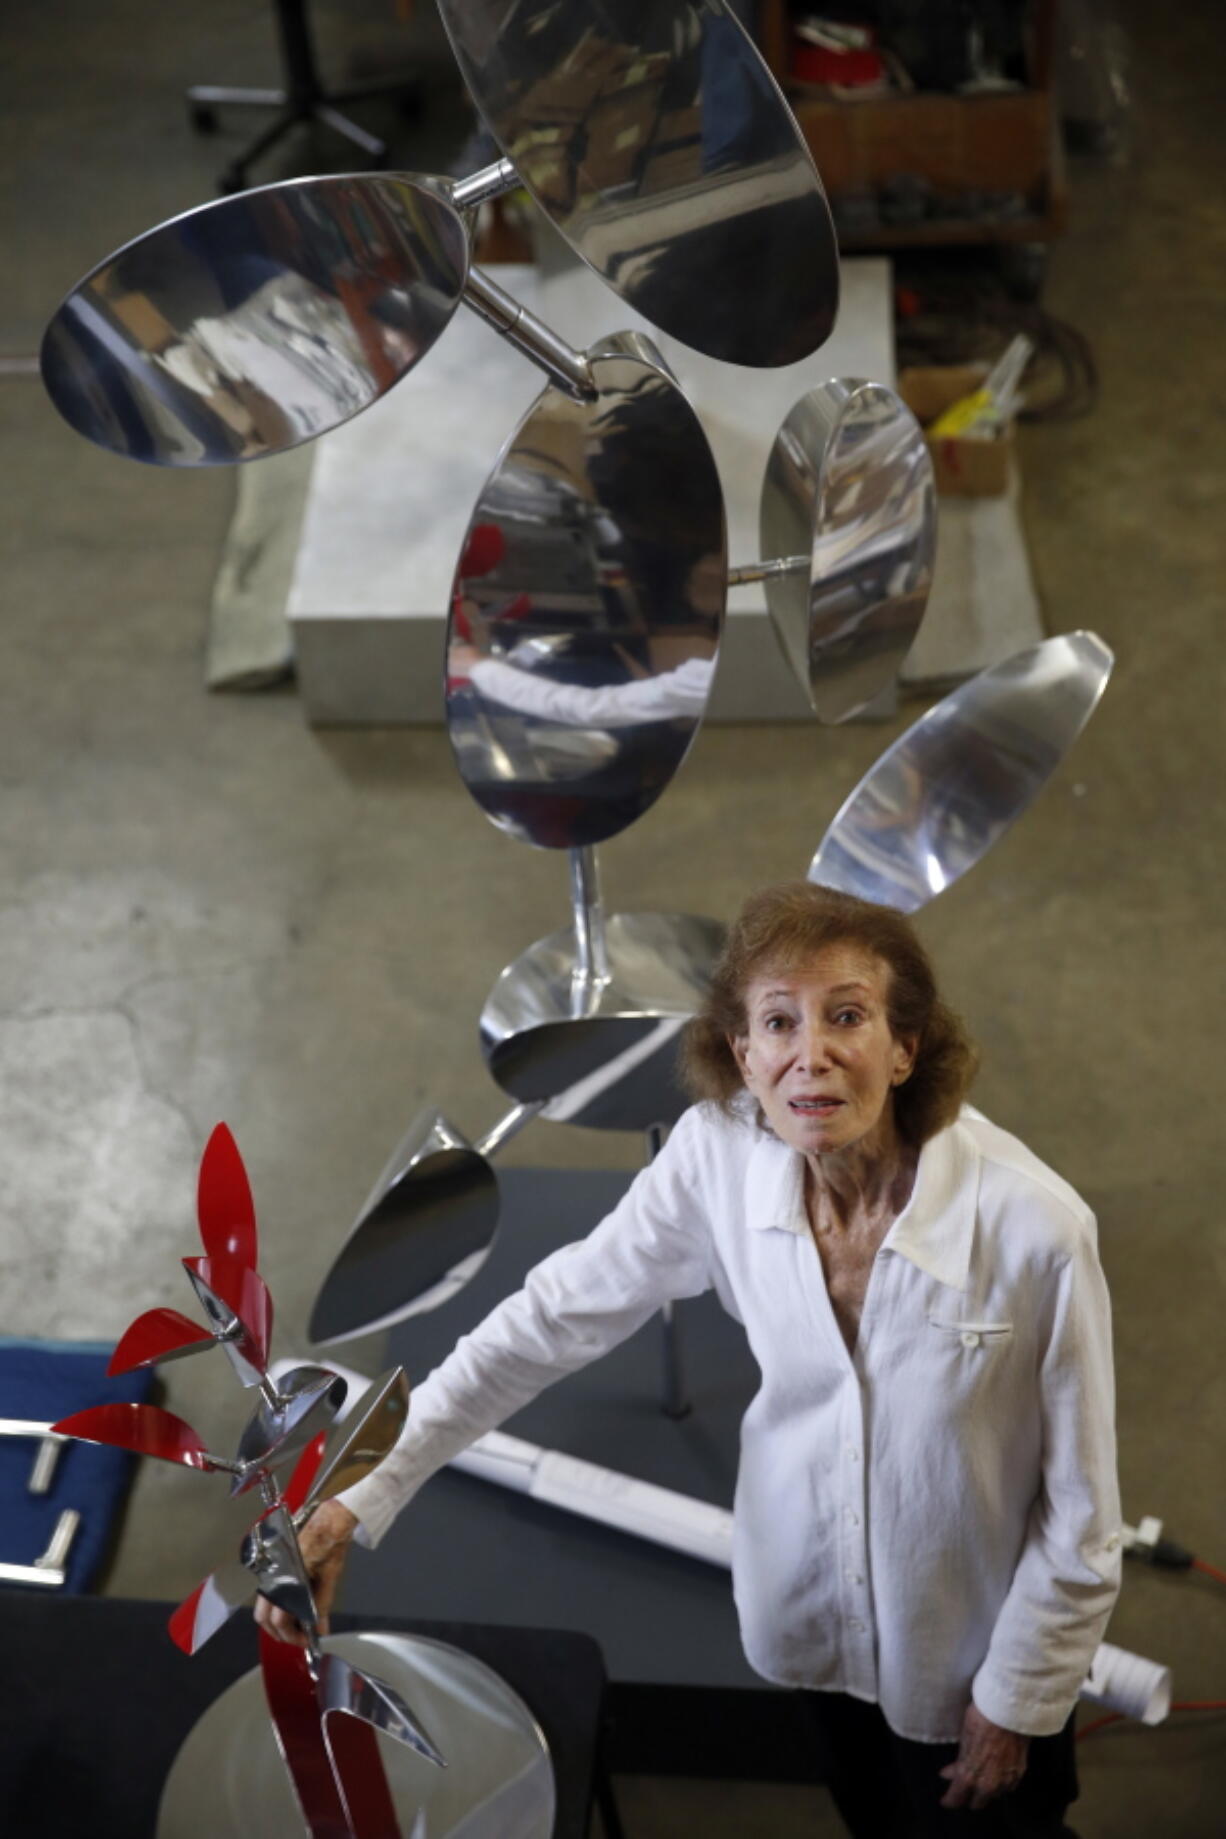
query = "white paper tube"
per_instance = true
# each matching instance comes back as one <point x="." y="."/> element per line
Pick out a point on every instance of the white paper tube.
<point x="1125" y="1682"/>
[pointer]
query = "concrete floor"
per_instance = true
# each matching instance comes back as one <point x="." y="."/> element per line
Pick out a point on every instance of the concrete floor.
<point x="209" y="911"/>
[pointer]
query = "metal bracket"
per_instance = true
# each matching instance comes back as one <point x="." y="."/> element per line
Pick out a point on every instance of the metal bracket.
<point x="48" y="1453"/>
<point x="50" y="1567"/>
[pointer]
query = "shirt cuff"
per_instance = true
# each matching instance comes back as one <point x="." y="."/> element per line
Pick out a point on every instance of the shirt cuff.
<point x="1028" y="1716"/>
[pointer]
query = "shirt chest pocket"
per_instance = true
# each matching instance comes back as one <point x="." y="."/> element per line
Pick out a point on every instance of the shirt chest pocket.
<point x="977" y="1337"/>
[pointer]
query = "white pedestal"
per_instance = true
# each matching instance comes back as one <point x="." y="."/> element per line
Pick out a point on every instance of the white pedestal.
<point x="392" y="492"/>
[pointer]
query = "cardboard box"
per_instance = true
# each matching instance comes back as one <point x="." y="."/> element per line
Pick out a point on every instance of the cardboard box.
<point x="963" y="468"/>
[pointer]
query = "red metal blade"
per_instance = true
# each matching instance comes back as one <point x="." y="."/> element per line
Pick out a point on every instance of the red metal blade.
<point x="290" y="1691"/>
<point x="210" y="1606"/>
<point x="159" y="1334"/>
<point x="147" y="1429"/>
<point x="361" y="1777"/>
<point x="224" y="1206"/>
<point x="305" y="1470"/>
<point x="244" y="1292"/>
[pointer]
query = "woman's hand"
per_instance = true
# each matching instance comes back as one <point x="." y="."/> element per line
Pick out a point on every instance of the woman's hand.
<point x="990" y="1761"/>
<point x="324" y="1542"/>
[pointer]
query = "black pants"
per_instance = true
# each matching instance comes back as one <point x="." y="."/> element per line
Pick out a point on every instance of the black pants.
<point x="887" y="1787"/>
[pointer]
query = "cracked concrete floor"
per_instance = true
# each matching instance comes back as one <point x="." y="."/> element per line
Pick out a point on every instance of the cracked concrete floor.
<point x="209" y="911"/>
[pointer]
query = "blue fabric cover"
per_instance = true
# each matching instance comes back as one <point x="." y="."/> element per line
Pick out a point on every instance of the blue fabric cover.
<point x="46" y="1380"/>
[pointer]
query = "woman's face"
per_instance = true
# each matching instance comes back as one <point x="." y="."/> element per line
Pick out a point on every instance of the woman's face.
<point x="818" y="1054"/>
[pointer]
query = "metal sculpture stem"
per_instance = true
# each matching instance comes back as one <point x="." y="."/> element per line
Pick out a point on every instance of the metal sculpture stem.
<point x="675" y="1402"/>
<point x="508" y="1127"/>
<point x="591" y="971"/>
<point x="565" y="366"/>
<point x="490" y="182"/>
<point x="767" y="571"/>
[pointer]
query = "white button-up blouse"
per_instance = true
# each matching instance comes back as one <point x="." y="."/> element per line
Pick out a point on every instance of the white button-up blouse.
<point x="930" y="1518"/>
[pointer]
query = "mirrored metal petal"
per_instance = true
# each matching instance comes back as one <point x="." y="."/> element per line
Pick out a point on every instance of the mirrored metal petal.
<point x="159" y="1334"/>
<point x="588" y="605"/>
<point x="236" y="1301"/>
<point x="848" y="494"/>
<point x="271" y="1553"/>
<point x="305" y="1402"/>
<point x="426" y="1228"/>
<point x="659" y="144"/>
<point x="345" y="1691"/>
<point x="363" y="1438"/>
<point x="602" y="1051"/>
<point x="145" y="1429"/>
<point x="224" y="1207"/>
<point x="249" y="325"/>
<point x="937" y="800"/>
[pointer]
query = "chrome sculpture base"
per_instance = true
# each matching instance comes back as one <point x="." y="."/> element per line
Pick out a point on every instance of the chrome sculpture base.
<point x="601" y="1050"/>
<point x="228" y="1781"/>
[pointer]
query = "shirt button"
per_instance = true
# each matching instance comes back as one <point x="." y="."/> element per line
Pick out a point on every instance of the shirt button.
<point x="1113" y="1540"/>
<point x="856" y="1627"/>
<point x="853" y="1518"/>
<point x="854" y="1577"/>
<point x="970" y="1338"/>
<point x="853" y="1454"/>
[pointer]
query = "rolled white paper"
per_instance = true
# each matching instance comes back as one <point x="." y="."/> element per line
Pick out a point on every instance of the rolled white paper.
<point x="1125" y="1682"/>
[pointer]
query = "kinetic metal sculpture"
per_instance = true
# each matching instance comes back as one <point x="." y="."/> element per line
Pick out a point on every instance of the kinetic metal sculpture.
<point x="333" y="1768"/>
<point x="583" y="634"/>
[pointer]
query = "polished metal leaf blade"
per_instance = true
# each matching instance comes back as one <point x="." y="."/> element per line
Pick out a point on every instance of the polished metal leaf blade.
<point x="307" y="1399"/>
<point x="425" y="1229"/>
<point x="345" y="1691"/>
<point x="270" y="1552"/>
<point x="249" y="325"/>
<point x="237" y="1303"/>
<point x="940" y="797"/>
<point x="363" y="1438"/>
<point x="848" y="493"/>
<point x="608" y="1061"/>
<point x="224" y="1207"/>
<point x="660" y="146"/>
<point x="588" y="605"/>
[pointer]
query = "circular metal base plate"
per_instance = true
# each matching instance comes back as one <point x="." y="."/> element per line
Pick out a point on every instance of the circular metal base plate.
<point x="228" y="1780"/>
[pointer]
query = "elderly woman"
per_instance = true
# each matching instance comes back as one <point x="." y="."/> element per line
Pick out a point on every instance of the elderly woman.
<point x="927" y="1534"/>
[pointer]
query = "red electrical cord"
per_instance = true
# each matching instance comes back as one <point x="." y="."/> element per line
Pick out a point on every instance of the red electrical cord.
<point x="1117" y="1717"/>
<point x="1210" y="1570"/>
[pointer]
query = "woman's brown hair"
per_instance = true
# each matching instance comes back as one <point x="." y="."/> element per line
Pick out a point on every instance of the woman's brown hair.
<point x="780" y="928"/>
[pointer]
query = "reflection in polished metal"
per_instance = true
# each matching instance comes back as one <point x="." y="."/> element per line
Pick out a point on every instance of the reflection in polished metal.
<point x="426" y="1228"/>
<point x="235" y="1299"/>
<point x="345" y="1690"/>
<point x="271" y="1553"/>
<point x="360" y="1442"/>
<point x="590" y="1028"/>
<point x="659" y="144"/>
<point x="937" y="800"/>
<point x="499" y="1784"/>
<point x="304" y="1402"/>
<point x="251" y="324"/>
<point x="848" y="538"/>
<point x="587" y="605"/>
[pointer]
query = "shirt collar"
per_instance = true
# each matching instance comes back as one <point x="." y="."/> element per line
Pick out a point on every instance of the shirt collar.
<point x="935" y="1229"/>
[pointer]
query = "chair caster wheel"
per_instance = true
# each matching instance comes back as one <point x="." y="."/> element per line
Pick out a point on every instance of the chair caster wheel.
<point x="203" y="117"/>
